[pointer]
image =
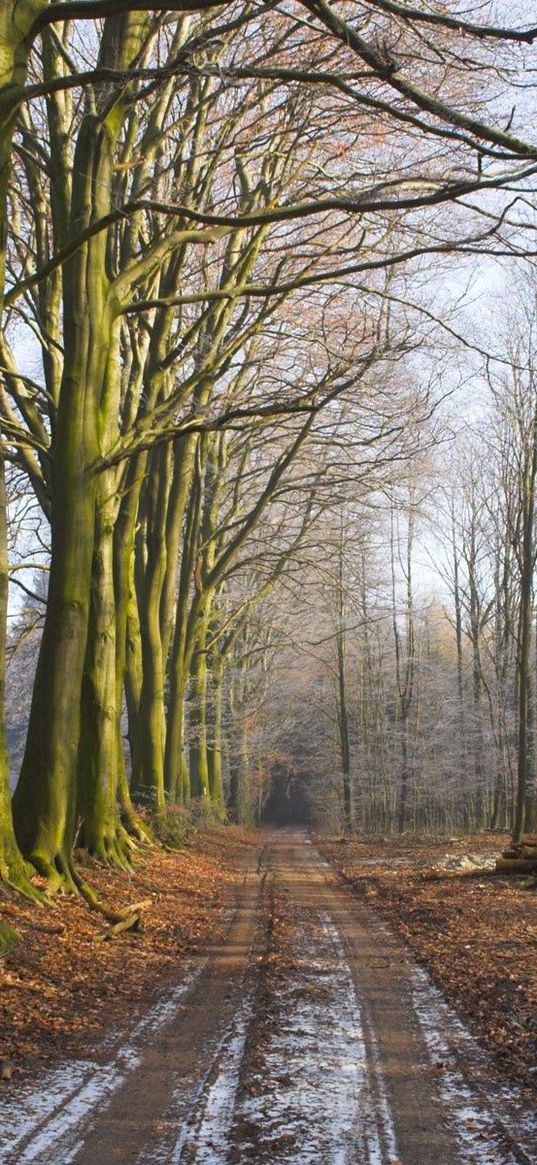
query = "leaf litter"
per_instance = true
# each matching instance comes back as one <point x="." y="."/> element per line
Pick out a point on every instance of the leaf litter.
<point x="474" y="930"/>
<point x="62" y="991"/>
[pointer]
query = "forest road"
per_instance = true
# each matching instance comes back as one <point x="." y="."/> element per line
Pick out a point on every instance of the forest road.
<point x="308" y="1035"/>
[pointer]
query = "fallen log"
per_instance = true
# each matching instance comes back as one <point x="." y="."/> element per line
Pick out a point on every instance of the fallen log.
<point x="131" y="922"/>
<point x="131" y="918"/>
<point x="516" y="865"/>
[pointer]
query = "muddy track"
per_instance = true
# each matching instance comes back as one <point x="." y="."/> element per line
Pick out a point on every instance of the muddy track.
<point x="308" y="1035"/>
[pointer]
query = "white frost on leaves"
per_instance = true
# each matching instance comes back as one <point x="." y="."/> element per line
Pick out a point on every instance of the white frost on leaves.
<point x="477" y="1118"/>
<point x="46" y="1124"/>
<point x="468" y="863"/>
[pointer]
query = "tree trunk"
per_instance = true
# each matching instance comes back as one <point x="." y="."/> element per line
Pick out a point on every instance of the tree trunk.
<point x="13" y="869"/>
<point x="44" y="805"/>
<point x="344" y="740"/>
<point x="176" y="772"/>
<point x="523" y="692"/>
<point x="16" y="19"/>
<point x="101" y="832"/>
<point x="199" y="764"/>
<point x="214" y="748"/>
<point x="148" y="760"/>
<point x="526" y="612"/>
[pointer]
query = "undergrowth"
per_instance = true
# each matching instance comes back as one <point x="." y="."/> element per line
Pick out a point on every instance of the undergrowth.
<point x="176" y="825"/>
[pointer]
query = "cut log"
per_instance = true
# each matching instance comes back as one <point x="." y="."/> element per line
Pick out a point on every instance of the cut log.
<point x="136" y="907"/>
<point x="516" y="865"/>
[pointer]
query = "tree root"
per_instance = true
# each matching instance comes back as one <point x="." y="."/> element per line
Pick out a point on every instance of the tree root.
<point x="8" y="938"/>
<point x="137" y="830"/>
<point x="17" y="873"/>
<point x="113" y="847"/>
<point x="128" y="914"/>
<point x="57" y="872"/>
<point x="62" y="876"/>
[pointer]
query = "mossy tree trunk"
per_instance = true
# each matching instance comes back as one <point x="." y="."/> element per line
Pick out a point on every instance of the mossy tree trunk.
<point x="16" y="19"/>
<point x="214" y="743"/>
<point x="148" y="759"/>
<point x="13" y="869"/>
<point x="176" y="772"/>
<point x="45" y="802"/>
<point x="199" y="762"/>
<point x="101" y="831"/>
<point x="45" y="799"/>
<point x="128" y="649"/>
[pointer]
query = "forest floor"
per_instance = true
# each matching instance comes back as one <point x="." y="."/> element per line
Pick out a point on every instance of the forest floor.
<point x="62" y="987"/>
<point x="296" y="1028"/>
<point x="474" y="930"/>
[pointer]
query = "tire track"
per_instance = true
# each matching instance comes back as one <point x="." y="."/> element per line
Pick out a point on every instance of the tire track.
<point x="308" y="1035"/>
<point x="91" y="1110"/>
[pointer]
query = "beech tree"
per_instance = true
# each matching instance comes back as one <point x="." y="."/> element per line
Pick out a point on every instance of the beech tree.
<point x="200" y="185"/>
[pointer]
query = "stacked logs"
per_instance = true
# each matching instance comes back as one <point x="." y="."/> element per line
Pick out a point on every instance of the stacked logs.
<point x="520" y="858"/>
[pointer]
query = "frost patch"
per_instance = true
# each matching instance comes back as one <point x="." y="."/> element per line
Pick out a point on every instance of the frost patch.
<point x="478" y="1119"/>
<point x="47" y="1123"/>
<point x="204" y="1138"/>
<point x="468" y="863"/>
<point x="317" y="1095"/>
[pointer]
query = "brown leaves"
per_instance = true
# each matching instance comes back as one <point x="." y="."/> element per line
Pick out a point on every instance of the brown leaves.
<point x="60" y="987"/>
<point x="477" y="938"/>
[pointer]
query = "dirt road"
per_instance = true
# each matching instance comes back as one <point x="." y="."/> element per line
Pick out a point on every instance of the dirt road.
<point x="307" y="1036"/>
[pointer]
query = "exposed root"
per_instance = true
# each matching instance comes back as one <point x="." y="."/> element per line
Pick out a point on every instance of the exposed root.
<point x="136" y="829"/>
<point x="112" y="847"/>
<point x="92" y="898"/>
<point x="8" y="938"/>
<point x="18" y="878"/>
<point x="15" y="872"/>
<point x="62" y="877"/>
<point x="131" y="915"/>
<point x="56" y="871"/>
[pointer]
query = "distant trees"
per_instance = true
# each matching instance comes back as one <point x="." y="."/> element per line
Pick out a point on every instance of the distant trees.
<point x="439" y="684"/>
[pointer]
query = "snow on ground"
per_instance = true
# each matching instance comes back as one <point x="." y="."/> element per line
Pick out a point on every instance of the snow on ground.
<point x="468" y="863"/>
<point x="481" y="1119"/>
<point x="296" y="1077"/>
<point x="317" y="1094"/>
<point x="206" y="1134"/>
<point x="46" y="1124"/>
